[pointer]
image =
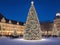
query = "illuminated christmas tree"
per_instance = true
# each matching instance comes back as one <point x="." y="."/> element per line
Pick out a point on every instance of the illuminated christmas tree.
<point x="55" y="31"/>
<point x="32" y="29"/>
<point x="15" y="33"/>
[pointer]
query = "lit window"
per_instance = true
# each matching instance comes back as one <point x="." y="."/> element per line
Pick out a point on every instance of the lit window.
<point x="0" y="27"/>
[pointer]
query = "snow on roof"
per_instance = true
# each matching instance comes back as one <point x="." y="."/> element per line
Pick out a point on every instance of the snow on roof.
<point x="57" y="14"/>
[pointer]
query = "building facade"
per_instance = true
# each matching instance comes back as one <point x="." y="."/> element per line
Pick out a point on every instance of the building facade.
<point x="57" y="22"/>
<point x="7" y="27"/>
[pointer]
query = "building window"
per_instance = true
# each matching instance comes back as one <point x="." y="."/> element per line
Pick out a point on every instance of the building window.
<point x="0" y="27"/>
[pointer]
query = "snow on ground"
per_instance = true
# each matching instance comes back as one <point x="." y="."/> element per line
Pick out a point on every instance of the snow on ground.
<point x="18" y="41"/>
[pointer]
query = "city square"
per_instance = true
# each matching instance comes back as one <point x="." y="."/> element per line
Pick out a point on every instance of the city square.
<point x="30" y="32"/>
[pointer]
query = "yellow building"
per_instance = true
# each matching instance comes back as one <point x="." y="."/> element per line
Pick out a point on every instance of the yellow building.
<point x="57" y="22"/>
<point x="7" y="27"/>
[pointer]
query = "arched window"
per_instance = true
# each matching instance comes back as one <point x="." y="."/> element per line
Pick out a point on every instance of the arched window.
<point x="0" y="27"/>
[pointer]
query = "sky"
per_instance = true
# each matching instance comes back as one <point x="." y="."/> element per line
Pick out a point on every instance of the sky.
<point x="18" y="9"/>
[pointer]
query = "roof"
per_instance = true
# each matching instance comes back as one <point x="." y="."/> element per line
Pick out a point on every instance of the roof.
<point x="12" y="21"/>
<point x="57" y="14"/>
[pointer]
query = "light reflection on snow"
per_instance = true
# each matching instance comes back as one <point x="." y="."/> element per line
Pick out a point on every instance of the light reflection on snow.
<point x="21" y="41"/>
<point x="31" y="40"/>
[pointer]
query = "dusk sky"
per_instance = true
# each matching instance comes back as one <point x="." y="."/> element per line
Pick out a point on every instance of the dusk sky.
<point x="18" y="9"/>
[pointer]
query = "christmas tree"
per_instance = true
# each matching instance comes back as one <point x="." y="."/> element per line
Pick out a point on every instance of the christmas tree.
<point x="32" y="29"/>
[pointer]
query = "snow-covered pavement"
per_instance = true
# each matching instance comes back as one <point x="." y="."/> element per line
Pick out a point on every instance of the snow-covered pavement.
<point x="18" y="41"/>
